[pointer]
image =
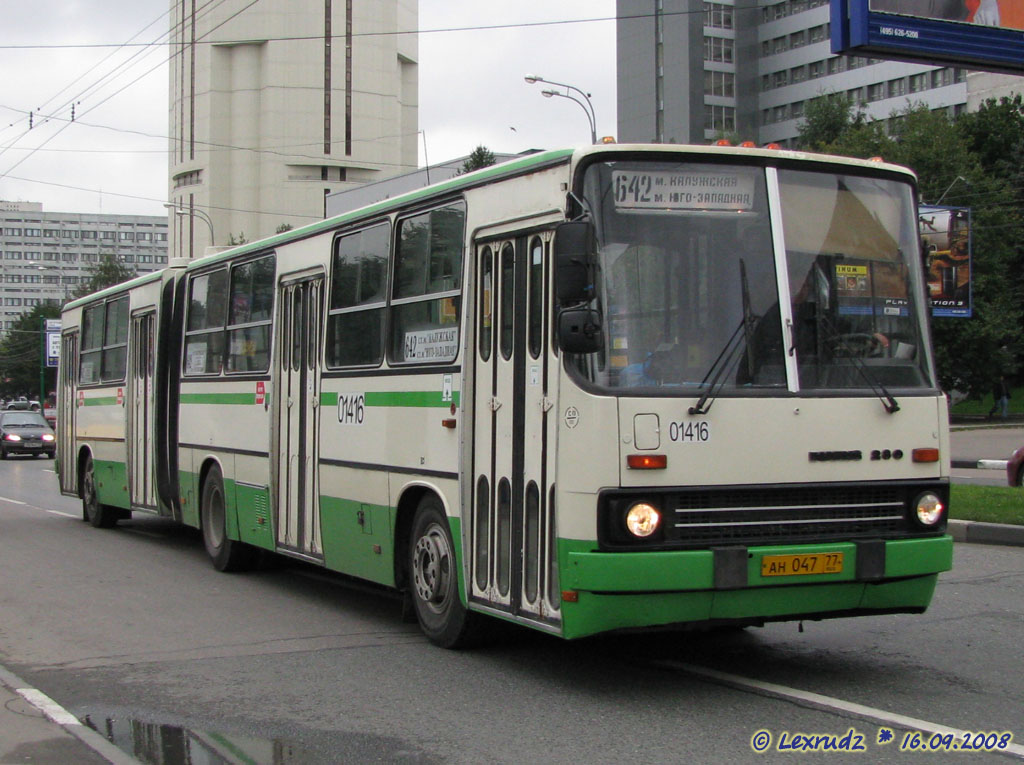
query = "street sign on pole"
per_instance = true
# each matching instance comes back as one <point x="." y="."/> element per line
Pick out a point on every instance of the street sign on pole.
<point x="52" y="342"/>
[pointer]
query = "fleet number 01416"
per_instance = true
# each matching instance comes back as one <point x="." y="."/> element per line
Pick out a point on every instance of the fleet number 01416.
<point x="689" y="432"/>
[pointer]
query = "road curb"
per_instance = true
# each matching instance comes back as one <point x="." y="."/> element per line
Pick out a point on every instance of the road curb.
<point x="979" y="464"/>
<point x="980" y="533"/>
<point x="58" y="716"/>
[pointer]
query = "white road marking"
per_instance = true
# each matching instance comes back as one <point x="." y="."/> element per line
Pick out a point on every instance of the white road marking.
<point x="13" y="501"/>
<point x="66" y="515"/>
<point x="829" y="704"/>
<point x="48" y="706"/>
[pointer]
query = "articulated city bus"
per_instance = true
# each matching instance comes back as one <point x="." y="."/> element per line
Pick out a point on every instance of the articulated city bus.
<point x="613" y="388"/>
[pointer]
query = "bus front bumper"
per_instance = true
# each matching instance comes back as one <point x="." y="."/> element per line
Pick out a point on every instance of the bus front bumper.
<point x="615" y="591"/>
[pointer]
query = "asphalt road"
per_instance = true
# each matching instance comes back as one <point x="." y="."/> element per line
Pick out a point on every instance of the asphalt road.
<point x="984" y="442"/>
<point x="133" y="631"/>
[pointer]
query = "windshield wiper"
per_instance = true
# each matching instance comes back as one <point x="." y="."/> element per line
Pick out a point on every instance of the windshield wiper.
<point x="726" y="363"/>
<point x="877" y="387"/>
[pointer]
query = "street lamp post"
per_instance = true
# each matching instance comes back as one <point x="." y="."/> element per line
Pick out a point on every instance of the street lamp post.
<point x="585" y="104"/>
<point x="193" y="211"/>
<point x="48" y="267"/>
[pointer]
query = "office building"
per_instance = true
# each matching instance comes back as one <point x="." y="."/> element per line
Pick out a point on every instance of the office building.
<point x="689" y="72"/>
<point x="275" y="105"/>
<point x="45" y="256"/>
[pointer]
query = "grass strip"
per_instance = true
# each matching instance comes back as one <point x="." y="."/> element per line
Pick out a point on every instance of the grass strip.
<point x="991" y="504"/>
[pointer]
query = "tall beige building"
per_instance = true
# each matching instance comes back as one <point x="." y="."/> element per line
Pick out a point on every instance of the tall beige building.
<point x="277" y="103"/>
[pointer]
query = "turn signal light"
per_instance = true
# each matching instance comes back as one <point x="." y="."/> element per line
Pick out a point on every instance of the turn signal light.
<point x="925" y="455"/>
<point x="647" y="461"/>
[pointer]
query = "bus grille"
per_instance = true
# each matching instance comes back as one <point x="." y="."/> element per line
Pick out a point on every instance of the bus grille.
<point x="767" y="515"/>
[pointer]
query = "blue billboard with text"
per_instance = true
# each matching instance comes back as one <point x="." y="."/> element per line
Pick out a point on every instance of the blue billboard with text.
<point x="978" y="34"/>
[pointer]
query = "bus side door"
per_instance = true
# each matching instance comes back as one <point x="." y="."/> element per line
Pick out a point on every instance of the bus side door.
<point x="141" y="439"/>
<point x="512" y="530"/>
<point x="297" y="412"/>
<point x="67" y="405"/>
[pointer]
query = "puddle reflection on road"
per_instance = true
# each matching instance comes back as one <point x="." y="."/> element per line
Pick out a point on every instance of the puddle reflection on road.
<point x="159" y="744"/>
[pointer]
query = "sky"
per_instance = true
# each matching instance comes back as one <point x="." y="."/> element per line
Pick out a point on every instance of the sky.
<point x="112" y="158"/>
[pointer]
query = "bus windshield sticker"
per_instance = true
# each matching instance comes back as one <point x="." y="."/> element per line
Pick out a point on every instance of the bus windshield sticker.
<point x="195" y="358"/>
<point x="683" y="190"/>
<point x="432" y="345"/>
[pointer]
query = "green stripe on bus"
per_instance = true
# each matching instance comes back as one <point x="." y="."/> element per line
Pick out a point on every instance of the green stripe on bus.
<point x="411" y="398"/>
<point x="218" y="398"/>
<point x="100" y="401"/>
<point x="430" y="399"/>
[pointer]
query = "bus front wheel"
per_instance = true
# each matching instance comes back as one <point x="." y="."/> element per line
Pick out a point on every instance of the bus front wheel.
<point x="225" y="553"/>
<point x="434" y="579"/>
<point x="96" y="513"/>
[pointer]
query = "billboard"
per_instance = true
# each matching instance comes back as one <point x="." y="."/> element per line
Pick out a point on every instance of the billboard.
<point x="946" y="241"/>
<point x="979" y="34"/>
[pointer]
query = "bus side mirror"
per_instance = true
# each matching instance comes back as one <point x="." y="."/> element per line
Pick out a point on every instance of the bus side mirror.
<point x="579" y="330"/>
<point x="574" y="254"/>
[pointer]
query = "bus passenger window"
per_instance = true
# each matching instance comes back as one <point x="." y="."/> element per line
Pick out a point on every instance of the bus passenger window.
<point x="115" y="341"/>
<point x="250" y="313"/>
<point x="425" y="299"/>
<point x="355" y="323"/>
<point x="204" y="336"/>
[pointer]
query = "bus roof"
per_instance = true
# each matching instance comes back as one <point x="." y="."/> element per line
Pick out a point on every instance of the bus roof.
<point x="520" y="165"/>
<point x="122" y="287"/>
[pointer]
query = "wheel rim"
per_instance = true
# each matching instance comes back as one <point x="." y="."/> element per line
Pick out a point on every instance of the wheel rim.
<point x="432" y="568"/>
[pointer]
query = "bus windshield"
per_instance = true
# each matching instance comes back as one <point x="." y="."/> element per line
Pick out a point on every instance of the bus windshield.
<point x="688" y="285"/>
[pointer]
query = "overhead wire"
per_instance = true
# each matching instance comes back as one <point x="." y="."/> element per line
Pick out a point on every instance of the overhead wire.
<point x="7" y="172"/>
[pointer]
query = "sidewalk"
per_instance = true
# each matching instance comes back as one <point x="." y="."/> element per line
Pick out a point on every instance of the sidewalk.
<point x="35" y="729"/>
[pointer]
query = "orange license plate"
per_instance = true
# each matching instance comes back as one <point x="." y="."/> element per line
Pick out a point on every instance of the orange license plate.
<point x="802" y="565"/>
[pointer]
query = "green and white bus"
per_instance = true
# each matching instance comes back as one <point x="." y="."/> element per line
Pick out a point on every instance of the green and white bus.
<point x="620" y="387"/>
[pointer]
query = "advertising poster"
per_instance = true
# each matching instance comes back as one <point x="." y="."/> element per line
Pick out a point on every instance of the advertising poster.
<point x="946" y="239"/>
<point x="1008" y="14"/>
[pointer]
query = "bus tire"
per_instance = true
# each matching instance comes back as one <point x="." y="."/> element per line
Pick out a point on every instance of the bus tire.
<point x="225" y="553"/>
<point x="97" y="514"/>
<point x="434" y="579"/>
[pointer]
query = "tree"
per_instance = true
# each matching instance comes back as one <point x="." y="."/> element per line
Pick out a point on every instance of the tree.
<point x="21" y="354"/>
<point x="106" y="273"/>
<point x="973" y="161"/>
<point x="282" y="228"/>
<point x="235" y="241"/>
<point x="481" y="157"/>
<point x="826" y="118"/>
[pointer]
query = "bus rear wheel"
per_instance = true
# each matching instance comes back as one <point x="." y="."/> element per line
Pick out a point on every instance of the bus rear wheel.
<point x="96" y="513"/>
<point x="225" y="553"/>
<point x="434" y="580"/>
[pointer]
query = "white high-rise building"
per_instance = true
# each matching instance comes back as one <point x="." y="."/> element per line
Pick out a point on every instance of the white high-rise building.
<point x="276" y="104"/>
<point x="46" y="256"/>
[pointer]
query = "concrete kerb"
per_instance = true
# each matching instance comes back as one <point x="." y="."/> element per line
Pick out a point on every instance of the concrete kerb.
<point x="58" y="723"/>
<point x="980" y="533"/>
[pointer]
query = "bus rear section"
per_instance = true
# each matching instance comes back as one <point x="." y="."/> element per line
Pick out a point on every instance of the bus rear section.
<point x="113" y="401"/>
<point x="749" y="427"/>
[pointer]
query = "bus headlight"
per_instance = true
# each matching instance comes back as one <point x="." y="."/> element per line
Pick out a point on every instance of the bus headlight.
<point x="929" y="509"/>
<point x="643" y="519"/>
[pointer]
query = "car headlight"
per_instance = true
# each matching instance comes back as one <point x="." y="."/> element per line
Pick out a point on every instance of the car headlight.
<point x="643" y="520"/>
<point x="12" y="437"/>
<point x="47" y="437"/>
<point x="930" y="509"/>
